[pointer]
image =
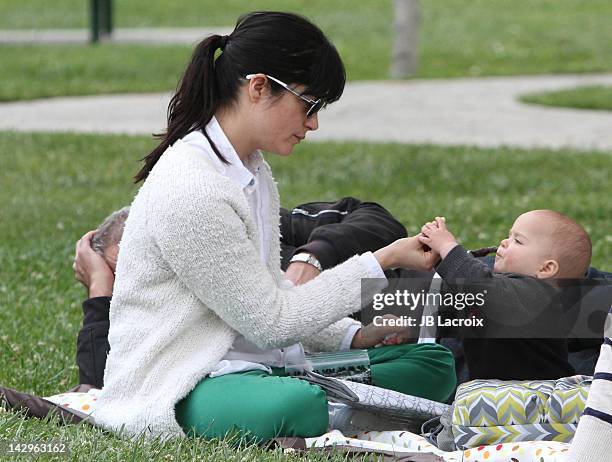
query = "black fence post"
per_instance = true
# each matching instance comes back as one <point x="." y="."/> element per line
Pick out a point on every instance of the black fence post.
<point x="107" y="23"/>
<point x="101" y="17"/>
<point x="94" y="23"/>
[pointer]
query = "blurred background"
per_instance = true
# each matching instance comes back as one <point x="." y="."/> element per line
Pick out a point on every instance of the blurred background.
<point x="455" y="60"/>
<point x="456" y="38"/>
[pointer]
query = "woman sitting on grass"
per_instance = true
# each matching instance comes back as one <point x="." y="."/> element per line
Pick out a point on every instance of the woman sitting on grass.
<point x="200" y="309"/>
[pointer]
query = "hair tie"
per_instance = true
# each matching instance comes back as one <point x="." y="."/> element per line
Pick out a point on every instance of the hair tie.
<point x="223" y="42"/>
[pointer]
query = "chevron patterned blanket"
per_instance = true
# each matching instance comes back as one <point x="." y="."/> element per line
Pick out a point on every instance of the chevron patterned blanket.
<point x="495" y="411"/>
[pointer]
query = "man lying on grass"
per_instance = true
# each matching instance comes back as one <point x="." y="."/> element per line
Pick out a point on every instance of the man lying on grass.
<point x="328" y="232"/>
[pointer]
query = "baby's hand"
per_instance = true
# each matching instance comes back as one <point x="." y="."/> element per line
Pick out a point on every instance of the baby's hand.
<point x="438" y="237"/>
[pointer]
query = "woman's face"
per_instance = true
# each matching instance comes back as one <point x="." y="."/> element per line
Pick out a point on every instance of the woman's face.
<point x="284" y="123"/>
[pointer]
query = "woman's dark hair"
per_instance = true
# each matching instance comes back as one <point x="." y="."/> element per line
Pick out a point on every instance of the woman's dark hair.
<point x="283" y="45"/>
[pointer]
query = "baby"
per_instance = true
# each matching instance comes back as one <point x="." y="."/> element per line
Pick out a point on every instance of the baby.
<point x="543" y="247"/>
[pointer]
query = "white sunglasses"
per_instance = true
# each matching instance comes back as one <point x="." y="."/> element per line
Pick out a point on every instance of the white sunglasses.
<point x="313" y="106"/>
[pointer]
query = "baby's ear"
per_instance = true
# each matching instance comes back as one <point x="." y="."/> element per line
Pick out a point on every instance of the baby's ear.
<point x="549" y="269"/>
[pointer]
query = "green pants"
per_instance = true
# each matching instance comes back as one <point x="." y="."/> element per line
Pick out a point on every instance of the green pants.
<point x="262" y="406"/>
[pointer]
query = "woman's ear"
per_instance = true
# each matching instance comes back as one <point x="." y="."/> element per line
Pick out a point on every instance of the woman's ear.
<point x="549" y="269"/>
<point x="258" y="87"/>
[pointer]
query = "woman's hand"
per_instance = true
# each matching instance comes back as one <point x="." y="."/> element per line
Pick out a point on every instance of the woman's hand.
<point x="409" y="253"/>
<point x="91" y="270"/>
<point x="372" y="335"/>
<point x="435" y="235"/>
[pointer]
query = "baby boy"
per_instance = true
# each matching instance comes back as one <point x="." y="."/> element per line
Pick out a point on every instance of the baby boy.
<point x="542" y="248"/>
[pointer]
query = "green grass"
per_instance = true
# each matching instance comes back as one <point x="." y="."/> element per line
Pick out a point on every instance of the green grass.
<point x="589" y="97"/>
<point x="56" y="187"/>
<point x="458" y="38"/>
<point x="86" y="443"/>
<point x="34" y="72"/>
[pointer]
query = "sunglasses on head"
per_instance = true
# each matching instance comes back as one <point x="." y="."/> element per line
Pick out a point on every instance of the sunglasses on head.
<point x="313" y="106"/>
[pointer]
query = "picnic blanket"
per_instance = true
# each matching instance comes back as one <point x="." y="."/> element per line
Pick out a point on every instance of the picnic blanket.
<point x="405" y="445"/>
<point x="401" y="446"/>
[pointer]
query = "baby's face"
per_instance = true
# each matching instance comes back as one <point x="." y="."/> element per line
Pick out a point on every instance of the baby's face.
<point x="527" y="247"/>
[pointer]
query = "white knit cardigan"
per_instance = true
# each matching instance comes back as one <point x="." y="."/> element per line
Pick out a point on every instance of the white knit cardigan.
<point x="189" y="278"/>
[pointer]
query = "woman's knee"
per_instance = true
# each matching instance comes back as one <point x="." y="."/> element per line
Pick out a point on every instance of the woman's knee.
<point x="426" y="370"/>
<point x="302" y="412"/>
<point x="261" y="407"/>
<point x="441" y="371"/>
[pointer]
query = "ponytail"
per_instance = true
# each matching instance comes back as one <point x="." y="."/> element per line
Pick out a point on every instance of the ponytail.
<point x="193" y="104"/>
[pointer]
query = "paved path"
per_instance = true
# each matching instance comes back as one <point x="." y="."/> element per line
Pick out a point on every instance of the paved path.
<point x="143" y="35"/>
<point x="480" y="111"/>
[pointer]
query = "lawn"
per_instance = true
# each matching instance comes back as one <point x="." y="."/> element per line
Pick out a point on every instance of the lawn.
<point x="589" y="97"/>
<point x="56" y="187"/>
<point x="458" y="38"/>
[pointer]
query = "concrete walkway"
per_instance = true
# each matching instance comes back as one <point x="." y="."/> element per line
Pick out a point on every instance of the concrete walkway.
<point x="480" y="111"/>
<point x="143" y="35"/>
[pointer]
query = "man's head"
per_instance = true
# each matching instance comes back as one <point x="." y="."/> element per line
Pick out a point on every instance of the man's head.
<point x="545" y="244"/>
<point x="106" y="240"/>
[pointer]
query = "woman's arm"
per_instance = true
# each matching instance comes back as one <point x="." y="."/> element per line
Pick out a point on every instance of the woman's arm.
<point x="205" y="240"/>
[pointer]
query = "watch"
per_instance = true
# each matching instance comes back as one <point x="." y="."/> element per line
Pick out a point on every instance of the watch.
<point x="307" y="258"/>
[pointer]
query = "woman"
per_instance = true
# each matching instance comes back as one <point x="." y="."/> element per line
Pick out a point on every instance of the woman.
<point x="200" y="308"/>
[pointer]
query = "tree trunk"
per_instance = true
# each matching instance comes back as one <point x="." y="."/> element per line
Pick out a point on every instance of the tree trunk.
<point x="405" y="47"/>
